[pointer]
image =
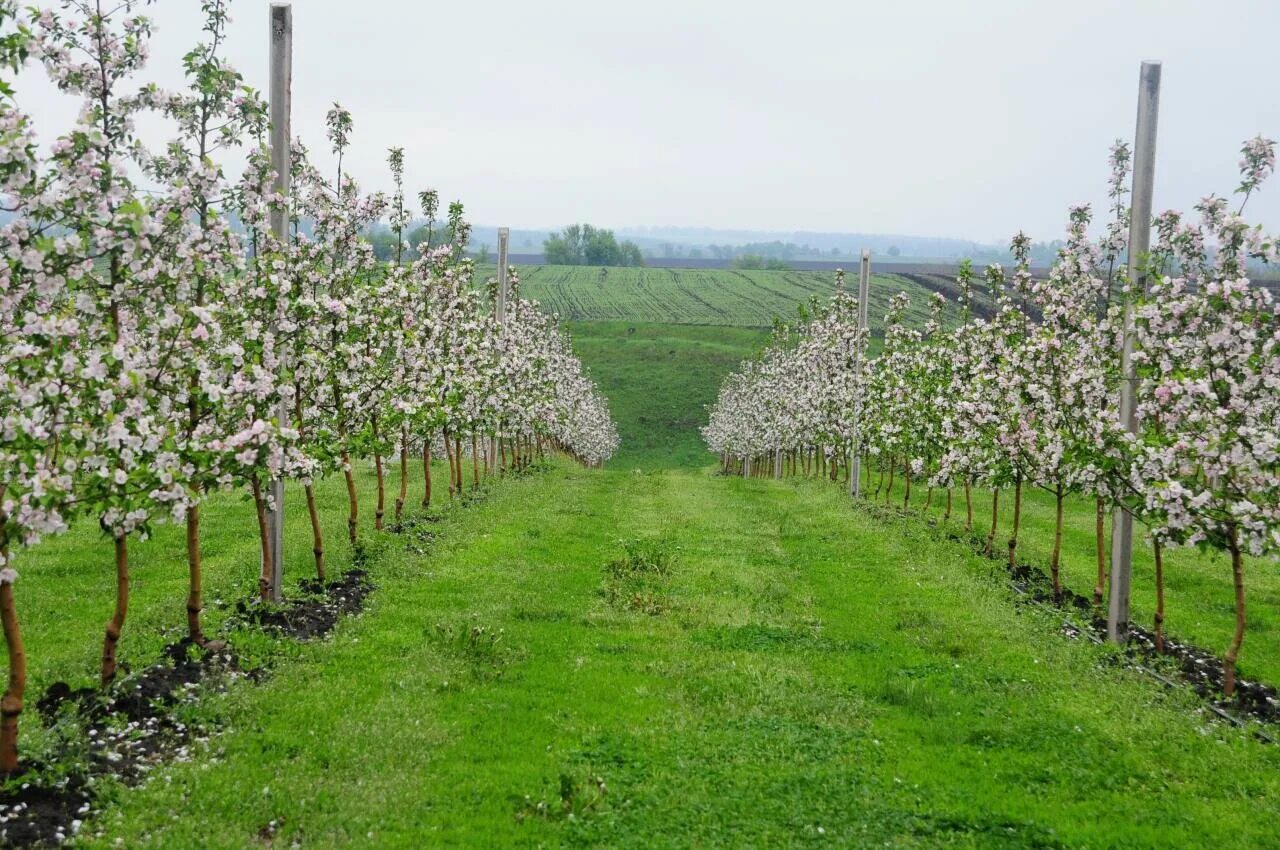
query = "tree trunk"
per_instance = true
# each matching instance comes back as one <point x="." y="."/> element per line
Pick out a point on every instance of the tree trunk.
<point x="404" y="475"/>
<point x="381" y="508"/>
<point x="1100" y="537"/>
<point x="968" y="506"/>
<point x="475" y="462"/>
<point x="888" y="490"/>
<point x="448" y="456"/>
<point x="116" y="624"/>
<point x="928" y="498"/>
<point x="1057" y="546"/>
<point x="1017" y="520"/>
<point x="317" y="536"/>
<point x="426" y="471"/>
<point x="457" y="460"/>
<point x="502" y="450"/>
<point x="1159" y="556"/>
<point x="353" y="505"/>
<point x="946" y="515"/>
<point x="990" y="549"/>
<point x="1233" y="651"/>
<point x="264" y="540"/>
<point x="195" y="594"/>
<point x="906" y="480"/>
<point x="11" y="704"/>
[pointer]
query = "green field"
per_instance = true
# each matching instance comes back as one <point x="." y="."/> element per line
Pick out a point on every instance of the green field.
<point x="773" y="666"/>
<point x="659" y="380"/>
<point x="776" y="669"/>
<point x="697" y="296"/>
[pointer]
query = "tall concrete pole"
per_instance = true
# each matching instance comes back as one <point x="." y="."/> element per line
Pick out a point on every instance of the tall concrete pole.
<point x="864" y="287"/>
<point x="281" y="24"/>
<point x="504" y="236"/>
<point x="1144" y="169"/>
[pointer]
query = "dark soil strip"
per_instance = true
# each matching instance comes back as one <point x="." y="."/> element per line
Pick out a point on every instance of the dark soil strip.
<point x="125" y="732"/>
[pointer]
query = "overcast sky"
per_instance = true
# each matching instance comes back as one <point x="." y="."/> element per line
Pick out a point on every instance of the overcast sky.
<point x="943" y="118"/>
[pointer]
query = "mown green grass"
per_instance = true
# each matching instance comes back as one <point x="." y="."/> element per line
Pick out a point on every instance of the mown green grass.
<point x="659" y="380"/>
<point x="66" y="590"/>
<point x="798" y="673"/>
<point x="1199" y="595"/>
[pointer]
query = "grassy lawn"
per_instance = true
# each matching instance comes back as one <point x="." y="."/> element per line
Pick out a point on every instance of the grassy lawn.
<point x="67" y="586"/>
<point x="1199" y="601"/>
<point x="787" y="671"/>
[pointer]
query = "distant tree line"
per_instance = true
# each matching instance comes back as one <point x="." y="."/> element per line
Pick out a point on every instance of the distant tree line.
<point x="756" y="261"/>
<point x="584" y="245"/>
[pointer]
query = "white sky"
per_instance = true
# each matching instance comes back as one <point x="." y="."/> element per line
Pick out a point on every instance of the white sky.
<point x="958" y="119"/>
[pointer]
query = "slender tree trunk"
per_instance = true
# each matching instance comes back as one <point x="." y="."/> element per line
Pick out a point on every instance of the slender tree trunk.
<point x="906" y="479"/>
<point x="995" y="521"/>
<point x="404" y="475"/>
<point x="448" y="455"/>
<point x="11" y="704"/>
<point x="502" y="448"/>
<point x="1100" y="538"/>
<point x="968" y="506"/>
<point x="928" y="498"/>
<point x="353" y="505"/>
<point x="1017" y="520"/>
<point x="1054" y="560"/>
<point x="1159" y="556"/>
<point x="426" y="471"/>
<point x="457" y="460"/>
<point x="317" y="533"/>
<point x="317" y="536"/>
<point x="264" y="540"/>
<point x="381" y="508"/>
<point x="888" y="490"/>
<point x="195" y="595"/>
<point x="116" y="624"/>
<point x="946" y="515"/>
<point x="1233" y="651"/>
<point x="475" y="462"/>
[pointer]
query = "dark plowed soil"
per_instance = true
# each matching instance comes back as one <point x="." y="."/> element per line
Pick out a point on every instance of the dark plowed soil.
<point x="313" y="616"/>
<point x="125" y="731"/>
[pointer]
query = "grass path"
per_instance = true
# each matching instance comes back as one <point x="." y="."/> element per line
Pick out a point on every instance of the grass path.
<point x="802" y="675"/>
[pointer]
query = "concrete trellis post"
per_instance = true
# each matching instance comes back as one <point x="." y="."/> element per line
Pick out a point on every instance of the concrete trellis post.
<point x="500" y="309"/>
<point x="1139" y="244"/>
<point x="864" y="287"/>
<point x="281" y="30"/>
<point x="504" y="236"/>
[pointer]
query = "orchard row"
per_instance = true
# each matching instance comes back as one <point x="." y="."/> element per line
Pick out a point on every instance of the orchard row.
<point x="159" y="341"/>
<point x="1028" y="397"/>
